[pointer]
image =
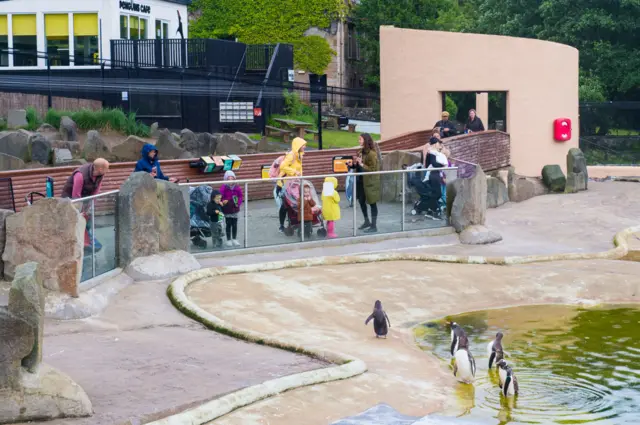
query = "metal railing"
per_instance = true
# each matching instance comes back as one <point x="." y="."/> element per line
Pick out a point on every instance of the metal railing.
<point x="88" y="209"/>
<point x="246" y="182"/>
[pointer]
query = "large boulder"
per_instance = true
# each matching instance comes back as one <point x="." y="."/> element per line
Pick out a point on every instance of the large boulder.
<point x="478" y="235"/>
<point x="391" y="184"/>
<point x="51" y="233"/>
<point x="522" y="188"/>
<point x="15" y="143"/>
<point x="46" y="128"/>
<point x="497" y="193"/>
<point x="3" y="235"/>
<point x="17" y="118"/>
<point x="129" y="150"/>
<point x="231" y="144"/>
<point x="8" y="162"/>
<point x="39" y="149"/>
<point x="162" y="266"/>
<point x="554" y="178"/>
<point x="153" y="129"/>
<point x="167" y="146"/>
<point x="62" y="157"/>
<point x="26" y="300"/>
<point x="68" y="130"/>
<point x="74" y="147"/>
<point x="17" y="343"/>
<point x="198" y="144"/>
<point x="95" y="146"/>
<point x="577" y="174"/>
<point x="467" y="200"/>
<point x="152" y="218"/>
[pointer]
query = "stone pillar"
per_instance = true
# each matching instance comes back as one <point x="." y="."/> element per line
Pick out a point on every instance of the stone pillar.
<point x="391" y="184"/>
<point x="482" y="108"/>
<point x="151" y="218"/>
<point x="51" y="233"/>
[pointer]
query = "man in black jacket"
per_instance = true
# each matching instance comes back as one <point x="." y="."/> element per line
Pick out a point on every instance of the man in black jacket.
<point x="447" y="128"/>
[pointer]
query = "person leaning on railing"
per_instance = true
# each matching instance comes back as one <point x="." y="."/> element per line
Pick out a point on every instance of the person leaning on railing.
<point x="83" y="182"/>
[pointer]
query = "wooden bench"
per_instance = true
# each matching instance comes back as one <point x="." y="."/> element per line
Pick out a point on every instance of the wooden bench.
<point x="316" y="137"/>
<point x="278" y="132"/>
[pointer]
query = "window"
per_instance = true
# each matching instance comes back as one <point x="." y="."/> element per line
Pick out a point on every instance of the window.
<point x="124" y="26"/>
<point x="56" y="28"/>
<point x="25" y="41"/>
<point x="4" y="41"/>
<point x="133" y="27"/>
<point x="236" y="112"/>
<point x="162" y="29"/>
<point x="85" y="38"/>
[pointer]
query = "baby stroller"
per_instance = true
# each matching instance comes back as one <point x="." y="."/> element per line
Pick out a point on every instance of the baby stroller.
<point x="428" y="185"/>
<point x="291" y="197"/>
<point x="200" y="227"/>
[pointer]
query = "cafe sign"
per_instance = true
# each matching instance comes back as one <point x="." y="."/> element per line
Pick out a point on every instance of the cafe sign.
<point x="134" y="7"/>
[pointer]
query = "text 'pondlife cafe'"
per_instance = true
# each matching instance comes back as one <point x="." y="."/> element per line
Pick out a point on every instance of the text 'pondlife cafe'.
<point x="77" y="33"/>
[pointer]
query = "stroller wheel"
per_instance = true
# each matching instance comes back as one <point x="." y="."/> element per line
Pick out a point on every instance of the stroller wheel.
<point x="414" y="212"/>
<point x="288" y="231"/>
<point x="322" y="233"/>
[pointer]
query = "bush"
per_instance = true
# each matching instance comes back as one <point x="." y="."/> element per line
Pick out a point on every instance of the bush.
<point x="451" y="107"/>
<point x="103" y="119"/>
<point x="33" y="121"/>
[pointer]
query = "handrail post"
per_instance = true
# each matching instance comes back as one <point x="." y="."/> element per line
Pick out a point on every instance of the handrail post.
<point x="404" y="184"/>
<point x="246" y="215"/>
<point x="50" y="96"/>
<point x="93" y="237"/>
<point x="355" y="202"/>
<point x="301" y="210"/>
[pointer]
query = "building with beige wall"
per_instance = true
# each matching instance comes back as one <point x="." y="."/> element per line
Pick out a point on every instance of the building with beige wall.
<point x="540" y="78"/>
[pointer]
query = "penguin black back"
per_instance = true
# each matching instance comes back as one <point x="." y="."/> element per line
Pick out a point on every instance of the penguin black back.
<point x="380" y="320"/>
<point x="458" y="338"/>
<point x="497" y="352"/>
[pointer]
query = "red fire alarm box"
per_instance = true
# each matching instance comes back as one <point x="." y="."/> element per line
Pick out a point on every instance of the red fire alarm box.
<point x="562" y="129"/>
<point x="257" y="112"/>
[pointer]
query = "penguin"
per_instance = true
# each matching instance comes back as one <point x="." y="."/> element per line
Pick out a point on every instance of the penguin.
<point x="508" y="380"/>
<point x="464" y="367"/>
<point x="380" y="320"/>
<point x="457" y="333"/>
<point x="495" y="351"/>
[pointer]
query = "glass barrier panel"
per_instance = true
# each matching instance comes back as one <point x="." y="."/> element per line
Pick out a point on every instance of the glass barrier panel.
<point x="100" y="253"/>
<point x="379" y="196"/>
<point x="425" y="198"/>
<point x="207" y="233"/>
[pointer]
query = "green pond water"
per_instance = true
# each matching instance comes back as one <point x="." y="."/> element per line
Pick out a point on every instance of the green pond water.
<point x="574" y="365"/>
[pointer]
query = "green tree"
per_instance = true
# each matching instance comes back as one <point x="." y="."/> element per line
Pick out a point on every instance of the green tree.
<point x="271" y="21"/>
<point x="369" y="15"/>
<point x="607" y="34"/>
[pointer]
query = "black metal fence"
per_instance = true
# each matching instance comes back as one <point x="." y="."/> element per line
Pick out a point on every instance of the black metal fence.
<point x="610" y="132"/>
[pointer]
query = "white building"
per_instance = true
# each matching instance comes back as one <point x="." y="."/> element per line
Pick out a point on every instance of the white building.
<point x="77" y="33"/>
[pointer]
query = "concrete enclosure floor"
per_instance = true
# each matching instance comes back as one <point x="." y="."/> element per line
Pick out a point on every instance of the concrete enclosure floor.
<point x="325" y="307"/>
<point x="141" y="358"/>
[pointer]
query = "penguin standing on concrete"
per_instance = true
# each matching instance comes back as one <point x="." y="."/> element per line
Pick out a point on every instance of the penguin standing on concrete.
<point x="380" y="320"/>
<point x="465" y="365"/>
<point x="508" y="380"/>
<point x="495" y="350"/>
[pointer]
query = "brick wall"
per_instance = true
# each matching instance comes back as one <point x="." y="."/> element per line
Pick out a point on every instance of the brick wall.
<point x="9" y="101"/>
<point x="490" y="149"/>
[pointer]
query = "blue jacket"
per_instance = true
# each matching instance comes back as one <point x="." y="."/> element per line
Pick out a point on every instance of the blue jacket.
<point x="146" y="164"/>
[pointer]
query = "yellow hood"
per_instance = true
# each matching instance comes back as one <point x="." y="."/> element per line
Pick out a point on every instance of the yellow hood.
<point x="297" y="144"/>
<point x="333" y="180"/>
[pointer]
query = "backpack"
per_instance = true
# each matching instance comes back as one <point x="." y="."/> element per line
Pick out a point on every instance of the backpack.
<point x="274" y="171"/>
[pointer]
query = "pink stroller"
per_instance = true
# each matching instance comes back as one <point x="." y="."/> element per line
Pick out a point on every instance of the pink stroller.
<point x="291" y="198"/>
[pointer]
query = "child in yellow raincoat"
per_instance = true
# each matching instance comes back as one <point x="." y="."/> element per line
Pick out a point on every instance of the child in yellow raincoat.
<point x="331" y="205"/>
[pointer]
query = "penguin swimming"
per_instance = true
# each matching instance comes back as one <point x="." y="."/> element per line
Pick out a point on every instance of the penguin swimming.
<point x="495" y="351"/>
<point x="380" y="320"/>
<point x="465" y="365"/>
<point x="508" y="380"/>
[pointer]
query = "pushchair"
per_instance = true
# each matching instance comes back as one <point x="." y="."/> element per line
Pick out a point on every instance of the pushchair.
<point x="291" y="196"/>
<point x="429" y="189"/>
<point x="200" y="226"/>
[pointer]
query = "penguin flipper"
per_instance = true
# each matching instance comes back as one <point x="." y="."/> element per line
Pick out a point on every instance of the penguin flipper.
<point x="505" y="389"/>
<point x="455" y="369"/>
<point x="516" y="388"/>
<point x="453" y="344"/>
<point x="473" y="364"/>
<point x="492" y="358"/>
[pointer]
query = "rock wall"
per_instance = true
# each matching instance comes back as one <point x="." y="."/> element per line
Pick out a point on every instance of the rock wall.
<point x="152" y="217"/>
<point x="29" y="389"/>
<point x="50" y="233"/>
<point x="392" y="184"/>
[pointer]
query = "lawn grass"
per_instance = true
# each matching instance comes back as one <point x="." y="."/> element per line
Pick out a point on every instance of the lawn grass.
<point x="331" y="139"/>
